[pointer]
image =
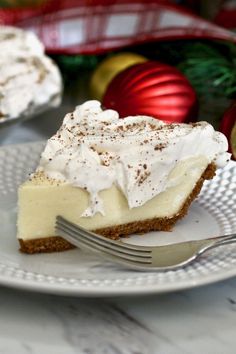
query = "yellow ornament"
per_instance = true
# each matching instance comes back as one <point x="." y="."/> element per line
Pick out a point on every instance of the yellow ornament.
<point x="21" y="3"/>
<point x="108" y="69"/>
<point x="233" y="140"/>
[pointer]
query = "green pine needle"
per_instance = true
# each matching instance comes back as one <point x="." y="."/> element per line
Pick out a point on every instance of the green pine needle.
<point x="210" y="71"/>
<point x="72" y="66"/>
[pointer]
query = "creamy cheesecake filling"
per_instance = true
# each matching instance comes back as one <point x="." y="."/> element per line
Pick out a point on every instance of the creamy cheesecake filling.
<point x="95" y="151"/>
<point x="41" y="200"/>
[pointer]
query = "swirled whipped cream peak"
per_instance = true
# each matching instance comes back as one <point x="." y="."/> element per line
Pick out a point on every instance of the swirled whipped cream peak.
<point x="94" y="149"/>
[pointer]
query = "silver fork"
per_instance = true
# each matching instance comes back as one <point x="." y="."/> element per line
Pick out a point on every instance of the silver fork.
<point x="142" y="258"/>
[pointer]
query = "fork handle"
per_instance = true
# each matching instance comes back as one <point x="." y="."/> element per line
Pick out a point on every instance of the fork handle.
<point x="226" y="240"/>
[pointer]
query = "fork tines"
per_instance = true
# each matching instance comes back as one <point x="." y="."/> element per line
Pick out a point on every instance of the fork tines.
<point x="80" y="237"/>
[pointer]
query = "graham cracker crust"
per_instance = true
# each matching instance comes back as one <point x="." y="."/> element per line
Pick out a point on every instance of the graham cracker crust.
<point x="58" y="244"/>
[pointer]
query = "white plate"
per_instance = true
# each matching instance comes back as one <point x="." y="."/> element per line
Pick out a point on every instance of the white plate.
<point x="77" y="273"/>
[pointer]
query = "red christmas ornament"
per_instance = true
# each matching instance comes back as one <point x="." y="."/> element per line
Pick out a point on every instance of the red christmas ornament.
<point x="154" y="89"/>
<point x="228" y="127"/>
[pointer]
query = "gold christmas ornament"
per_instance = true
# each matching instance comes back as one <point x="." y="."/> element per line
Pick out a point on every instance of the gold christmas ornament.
<point x="228" y="127"/>
<point x="233" y="141"/>
<point x="108" y="69"/>
<point x="21" y="3"/>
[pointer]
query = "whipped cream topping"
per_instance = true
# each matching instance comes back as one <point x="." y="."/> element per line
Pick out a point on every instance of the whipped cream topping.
<point x="17" y="42"/>
<point x="94" y="149"/>
<point x="29" y="80"/>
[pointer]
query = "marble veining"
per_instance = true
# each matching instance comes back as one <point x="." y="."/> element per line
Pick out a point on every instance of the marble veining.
<point x="195" y="321"/>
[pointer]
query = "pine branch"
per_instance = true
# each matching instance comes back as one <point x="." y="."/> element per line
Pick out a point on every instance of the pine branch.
<point x="209" y="70"/>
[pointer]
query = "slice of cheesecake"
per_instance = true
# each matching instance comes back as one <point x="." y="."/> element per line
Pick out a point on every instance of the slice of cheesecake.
<point x="116" y="176"/>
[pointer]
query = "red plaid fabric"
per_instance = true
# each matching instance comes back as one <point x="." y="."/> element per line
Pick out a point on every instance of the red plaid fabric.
<point x="93" y="27"/>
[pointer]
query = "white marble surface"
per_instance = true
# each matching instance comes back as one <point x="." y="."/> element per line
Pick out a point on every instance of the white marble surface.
<point x="196" y="321"/>
<point x="201" y="320"/>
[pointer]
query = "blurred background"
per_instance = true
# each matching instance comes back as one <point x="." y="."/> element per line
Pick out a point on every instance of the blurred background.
<point x="104" y="48"/>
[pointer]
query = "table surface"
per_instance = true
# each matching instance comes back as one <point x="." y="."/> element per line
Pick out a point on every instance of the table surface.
<point x="201" y="320"/>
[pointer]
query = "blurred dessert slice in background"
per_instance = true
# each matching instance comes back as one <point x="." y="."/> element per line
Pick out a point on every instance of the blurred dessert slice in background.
<point x="30" y="82"/>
